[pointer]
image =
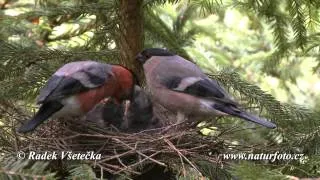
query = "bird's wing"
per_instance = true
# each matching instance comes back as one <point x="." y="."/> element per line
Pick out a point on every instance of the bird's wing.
<point x="45" y="111"/>
<point x="63" y="84"/>
<point x="210" y="89"/>
<point x="199" y="87"/>
<point x="177" y="74"/>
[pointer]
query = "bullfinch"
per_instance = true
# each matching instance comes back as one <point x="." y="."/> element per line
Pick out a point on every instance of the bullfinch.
<point x="77" y="87"/>
<point x="181" y="86"/>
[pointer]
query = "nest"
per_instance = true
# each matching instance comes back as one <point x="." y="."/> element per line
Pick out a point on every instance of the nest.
<point x="179" y="145"/>
<point x="171" y="146"/>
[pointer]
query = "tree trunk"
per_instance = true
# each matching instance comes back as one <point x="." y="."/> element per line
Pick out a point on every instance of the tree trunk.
<point x="131" y="33"/>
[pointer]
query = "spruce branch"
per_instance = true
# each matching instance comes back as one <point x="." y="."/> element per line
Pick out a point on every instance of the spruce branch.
<point x="207" y="6"/>
<point x="280" y="31"/>
<point x="11" y="168"/>
<point x="254" y="95"/>
<point x="81" y="171"/>
<point x="159" y="31"/>
<point x="298" y="22"/>
<point x="92" y="8"/>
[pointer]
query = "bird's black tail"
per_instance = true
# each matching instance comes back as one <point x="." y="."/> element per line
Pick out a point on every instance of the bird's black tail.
<point x="234" y="111"/>
<point x="45" y="111"/>
<point x="256" y="119"/>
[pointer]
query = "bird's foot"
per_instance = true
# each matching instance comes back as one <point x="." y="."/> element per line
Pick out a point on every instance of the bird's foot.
<point x="180" y="117"/>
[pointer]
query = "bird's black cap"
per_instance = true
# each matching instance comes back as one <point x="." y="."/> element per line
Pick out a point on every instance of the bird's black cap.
<point x="148" y="53"/>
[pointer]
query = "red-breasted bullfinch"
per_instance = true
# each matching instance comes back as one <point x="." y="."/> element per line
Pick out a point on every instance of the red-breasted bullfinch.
<point x="181" y="86"/>
<point x="77" y="87"/>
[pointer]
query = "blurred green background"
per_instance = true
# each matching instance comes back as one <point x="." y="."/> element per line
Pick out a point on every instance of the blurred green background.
<point x="231" y="37"/>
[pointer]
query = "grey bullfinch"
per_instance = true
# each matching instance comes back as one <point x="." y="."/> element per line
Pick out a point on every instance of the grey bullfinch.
<point x="181" y="86"/>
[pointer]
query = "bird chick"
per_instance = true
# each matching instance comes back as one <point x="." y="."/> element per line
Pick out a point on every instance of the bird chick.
<point x="138" y="116"/>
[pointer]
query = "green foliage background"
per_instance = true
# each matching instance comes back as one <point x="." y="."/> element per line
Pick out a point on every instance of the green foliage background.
<point x="265" y="52"/>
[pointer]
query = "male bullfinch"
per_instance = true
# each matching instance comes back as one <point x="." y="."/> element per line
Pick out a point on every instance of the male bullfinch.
<point x="180" y="85"/>
<point x="77" y="87"/>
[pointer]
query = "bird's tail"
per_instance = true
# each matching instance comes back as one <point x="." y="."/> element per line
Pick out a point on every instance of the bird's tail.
<point x="256" y="119"/>
<point x="45" y="111"/>
<point x="234" y="111"/>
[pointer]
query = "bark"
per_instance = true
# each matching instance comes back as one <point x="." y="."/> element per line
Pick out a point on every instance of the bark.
<point x="131" y="33"/>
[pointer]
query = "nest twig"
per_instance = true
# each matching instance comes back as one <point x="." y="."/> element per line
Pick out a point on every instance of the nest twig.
<point x="124" y="152"/>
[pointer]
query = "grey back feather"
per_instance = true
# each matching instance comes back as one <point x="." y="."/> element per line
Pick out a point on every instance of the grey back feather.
<point x="175" y="66"/>
<point x="73" y="78"/>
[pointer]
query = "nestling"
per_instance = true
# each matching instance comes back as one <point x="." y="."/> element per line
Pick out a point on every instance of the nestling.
<point x="138" y="116"/>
